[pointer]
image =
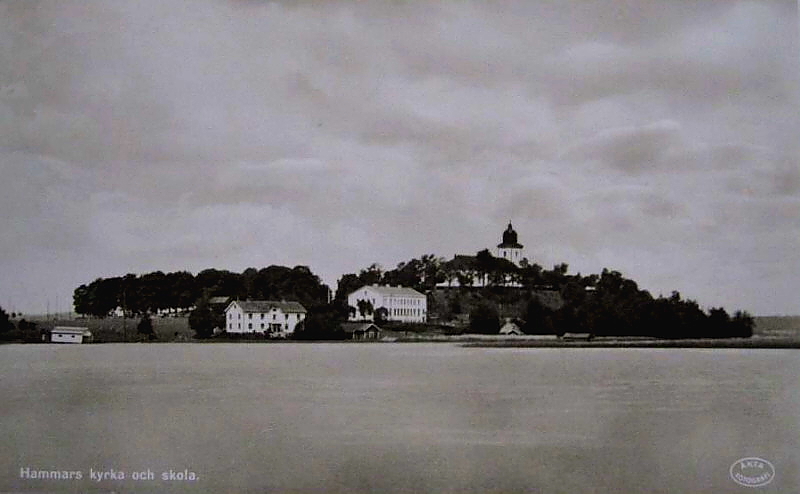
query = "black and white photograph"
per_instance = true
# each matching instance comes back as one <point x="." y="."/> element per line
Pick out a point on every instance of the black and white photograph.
<point x="344" y="246"/>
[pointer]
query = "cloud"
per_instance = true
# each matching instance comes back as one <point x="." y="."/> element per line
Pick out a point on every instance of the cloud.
<point x="180" y="135"/>
<point x="631" y="149"/>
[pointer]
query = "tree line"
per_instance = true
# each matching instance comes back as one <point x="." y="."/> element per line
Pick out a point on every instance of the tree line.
<point x="22" y="330"/>
<point x="607" y="304"/>
<point x="612" y="305"/>
<point x="181" y="290"/>
<point x="424" y="273"/>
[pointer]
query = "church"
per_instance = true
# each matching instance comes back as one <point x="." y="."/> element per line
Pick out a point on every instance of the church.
<point x="510" y="248"/>
<point x="464" y="270"/>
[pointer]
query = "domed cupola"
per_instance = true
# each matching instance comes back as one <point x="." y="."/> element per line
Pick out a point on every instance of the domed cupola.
<point x="510" y="239"/>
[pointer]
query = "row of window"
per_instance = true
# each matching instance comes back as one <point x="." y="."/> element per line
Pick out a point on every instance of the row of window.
<point x="271" y="327"/>
<point x="406" y="301"/>
<point x="406" y="312"/>
<point x="401" y="301"/>
<point x="274" y="316"/>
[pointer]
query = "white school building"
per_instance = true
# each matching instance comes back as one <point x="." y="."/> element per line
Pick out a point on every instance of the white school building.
<point x="401" y="303"/>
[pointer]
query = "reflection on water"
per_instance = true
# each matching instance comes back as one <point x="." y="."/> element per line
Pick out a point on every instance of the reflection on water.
<point x="398" y="418"/>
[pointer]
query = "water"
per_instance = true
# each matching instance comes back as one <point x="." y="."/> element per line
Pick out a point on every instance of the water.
<point x="396" y="418"/>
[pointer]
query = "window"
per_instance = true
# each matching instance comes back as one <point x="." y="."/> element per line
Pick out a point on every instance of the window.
<point x="262" y="318"/>
<point x="249" y="316"/>
<point x="250" y="325"/>
<point x="274" y="317"/>
<point x="230" y="325"/>
<point x="239" y="326"/>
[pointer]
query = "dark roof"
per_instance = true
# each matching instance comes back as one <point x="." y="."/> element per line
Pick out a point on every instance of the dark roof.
<point x="358" y="327"/>
<point x="509" y="239"/>
<point x="267" y="305"/>
<point x="461" y="262"/>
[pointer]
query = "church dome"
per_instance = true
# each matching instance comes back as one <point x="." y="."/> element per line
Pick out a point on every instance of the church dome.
<point x="510" y="239"/>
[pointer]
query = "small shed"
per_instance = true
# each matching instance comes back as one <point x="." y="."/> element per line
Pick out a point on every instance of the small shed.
<point x="362" y="331"/>
<point x="69" y="334"/>
<point x="512" y="327"/>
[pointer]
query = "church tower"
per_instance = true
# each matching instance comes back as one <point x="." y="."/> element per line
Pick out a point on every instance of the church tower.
<point x="510" y="249"/>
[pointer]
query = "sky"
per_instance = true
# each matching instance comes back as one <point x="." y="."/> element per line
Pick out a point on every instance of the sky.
<point x="657" y="138"/>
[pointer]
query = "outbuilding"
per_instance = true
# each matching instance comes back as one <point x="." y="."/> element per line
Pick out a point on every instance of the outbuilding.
<point x="69" y="334"/>
<point x="361" y="331"/>
<point x="512" y="327"/>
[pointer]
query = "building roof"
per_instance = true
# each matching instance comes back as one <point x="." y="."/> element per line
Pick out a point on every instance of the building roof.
<point x="461" y="262"/>
<point x="218" y="300"/>
<point x="358" y="327"/>
<point x="392" y="291"/>
<point x="268" y="305"/>
<point x="509" y="239"/>
<point x="511" y="327"/>
<point x="69" y="330"/>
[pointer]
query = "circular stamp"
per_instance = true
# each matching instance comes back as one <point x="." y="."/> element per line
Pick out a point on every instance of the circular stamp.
<point x="752" y="472"/>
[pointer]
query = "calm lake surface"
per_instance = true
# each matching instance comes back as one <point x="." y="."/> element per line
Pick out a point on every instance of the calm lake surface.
<point x="397" y="418"/>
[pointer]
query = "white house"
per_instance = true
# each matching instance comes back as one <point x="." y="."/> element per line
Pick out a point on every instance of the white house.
<point x="68" y="334"/>
<point x="401" y="303"/>
<point x="263" y="316"/>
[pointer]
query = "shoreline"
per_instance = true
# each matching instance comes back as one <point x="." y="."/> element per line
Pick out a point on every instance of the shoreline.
<point x="752" y="343"/>
<point x="476" y="341"/>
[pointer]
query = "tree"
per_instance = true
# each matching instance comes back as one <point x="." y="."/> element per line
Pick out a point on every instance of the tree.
<point x="323" y="322"/>
<point x="381" y="315"/>
<point x="372" y="275"/>
<point x="5" y="323"/>
<point x="202" y="319"/>
<point x="365" y="308"/>
<point x="28" y="331"/>
<point x="718" y="322"/>
<point x="145" y="327"/>
<point x="420" y="274"/>
<point x="484" y="319"/>
<point x="742" y="325"/>
<point x="485" y="265"/>
<point x="346" y="285"/>
<point x="538" y="318"/>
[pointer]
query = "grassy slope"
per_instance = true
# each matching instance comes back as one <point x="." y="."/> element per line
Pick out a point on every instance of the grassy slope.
<point x="778" y="326"/>
<point x="113" y="329"/>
